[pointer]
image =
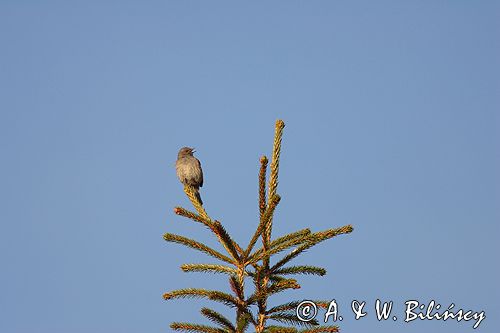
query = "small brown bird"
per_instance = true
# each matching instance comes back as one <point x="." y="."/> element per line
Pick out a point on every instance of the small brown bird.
<point x="189" y="170"/>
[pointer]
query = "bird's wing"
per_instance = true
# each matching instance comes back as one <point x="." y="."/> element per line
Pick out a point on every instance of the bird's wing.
<point x="201" y="173"/>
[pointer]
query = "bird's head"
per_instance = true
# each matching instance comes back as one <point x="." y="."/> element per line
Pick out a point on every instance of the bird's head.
<point x="185" y="151"/>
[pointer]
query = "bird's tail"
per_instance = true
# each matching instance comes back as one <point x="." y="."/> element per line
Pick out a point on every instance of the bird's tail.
<point x="198" y="196"/>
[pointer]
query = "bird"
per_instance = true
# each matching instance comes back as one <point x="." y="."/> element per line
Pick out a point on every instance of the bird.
<point x="188" y="169"/>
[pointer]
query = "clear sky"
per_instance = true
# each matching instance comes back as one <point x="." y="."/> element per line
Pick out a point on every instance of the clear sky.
<point x="392" y="125"/>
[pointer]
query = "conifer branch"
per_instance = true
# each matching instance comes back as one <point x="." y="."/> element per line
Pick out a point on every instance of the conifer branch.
<point x="218" y="319"/>
<point x="288" y="237"/>
<point x="267" y="223"/>
<point x="283" y="245"/>
<point x="262" y="186"/>
<point x="275" y="161"/>
<point x="191" y="193"/>
<point x="188" y="327"/>
<point x="273" y="278"/>
<point x="291" y="319"/>
<point x="216" y="227"/>
<point x="243" y="321"/>
<point x="315" y="239"/>
<point x="279" y="329"/>
<point x="197" y="246"/>
<point x="213" y="295"/>
<point x="264" y="222"/>
<point x="208" y="268"/>
<point x="236" y="287"/>
<point x="262" y="253"/>
<point x="226" y="240"/>
<point x="195" y="217"/>
<point x="284" y="307"/>
<point x="291" y="306"/>
<point x="240" y="251"/>
<point x="321" y="329"/>
<point x="280" y="286"/>
<point x="237" y="283"/>
<point x="273" y="179"/>
<point x="311" y="270"/>
<point x="274" y="288"/>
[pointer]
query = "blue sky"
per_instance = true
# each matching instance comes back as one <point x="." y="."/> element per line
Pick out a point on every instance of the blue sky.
<point x="392" y="125"/>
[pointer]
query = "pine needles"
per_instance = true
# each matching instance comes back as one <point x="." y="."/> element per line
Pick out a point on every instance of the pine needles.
<point x="252" y="264"/>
